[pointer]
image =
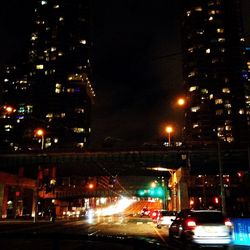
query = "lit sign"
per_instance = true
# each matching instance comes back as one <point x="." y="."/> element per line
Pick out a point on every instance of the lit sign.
<point x="241" y="232"/>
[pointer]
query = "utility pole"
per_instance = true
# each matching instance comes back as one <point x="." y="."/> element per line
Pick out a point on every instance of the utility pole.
<point x="222" y="189"/>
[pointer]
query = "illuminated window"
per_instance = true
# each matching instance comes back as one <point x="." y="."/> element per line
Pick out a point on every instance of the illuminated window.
<point x="53" y="49"/>
<point x="219" y="112"/>
<point x="191" y="74"/>
<point x="200" y="31"/>
<point x="215" y="60"/>
<point x="211" y="96"/>
<point x="70" y="90"/>
<point x="220" y="30"/>
<point x="8" y="127"/>
<point x="211" y="12"/>
<point x="208" y="51"/>
<point x="60" y="53"/>
<point x="228" y="128"/>
<point x="39" y="66"/>
<point x="223" y="50"/>
<point x="204" y="91"/>
<point x="58" y="88"/>
<point x="198" y="8"/>
<point x="188" y="13"/>
<point x="78" y="130"/>
<point x="218" y="101"/>
<point x="83" y="41"/>
<point x="34" y="36"/>
<point x="241" y="112"/>
<point x="56" y="6"/>
<point x="80" y="145"/>
<point x="211" y="18"/>
<point x="226" y="90"/>
<point x="49" y="115"/>
<point x="43" y="2"/>
<point x="29" y="108"/>
<point x="242" y="39"/>
<point x="230" y="139"/>
<point x="195" y="109"/>
<point x="221" y="40"/>
<point x="195" y="125"/>
<point x="191" y="50"/>
<point x="79" y="110"/>
<point x="61" y="18"/>
<point x="193" y="88"/>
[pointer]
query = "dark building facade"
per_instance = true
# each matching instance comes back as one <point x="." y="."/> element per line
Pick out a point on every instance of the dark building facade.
<point x="215" y="72"/>
<point x="58" y="98"/>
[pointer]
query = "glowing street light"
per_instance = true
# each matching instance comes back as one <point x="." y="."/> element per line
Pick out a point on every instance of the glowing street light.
<point x="9" y="109"/>
<point x="169" y="130"/>
<point x="40" y="133"/>
<point x="181" y="101"/>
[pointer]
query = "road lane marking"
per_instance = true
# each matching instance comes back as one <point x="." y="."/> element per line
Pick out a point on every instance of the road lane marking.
<point x="93" y="233"/>
<point x="160" y="236"/>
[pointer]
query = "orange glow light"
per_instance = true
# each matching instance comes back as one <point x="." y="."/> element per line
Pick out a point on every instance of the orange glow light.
<point x="181" y="101"/>
<point x="40" y="132"/>
<point x="169" y="129"/>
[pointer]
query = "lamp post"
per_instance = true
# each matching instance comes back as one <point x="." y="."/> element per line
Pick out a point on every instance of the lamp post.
<point x="169" y="130"/>
<point x="40" y="132"/>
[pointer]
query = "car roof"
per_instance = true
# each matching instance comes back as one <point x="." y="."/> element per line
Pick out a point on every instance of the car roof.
<point x="206" y="211"/>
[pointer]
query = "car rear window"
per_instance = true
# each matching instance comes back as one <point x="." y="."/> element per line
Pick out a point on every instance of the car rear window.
<point x="208" y="217"/>
<point x="168" y="213"/>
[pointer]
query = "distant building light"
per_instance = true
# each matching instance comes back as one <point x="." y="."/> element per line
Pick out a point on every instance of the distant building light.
<point x="43" y="2"/>
<point x="39" y="66"/>
<point x="241" y="112"/>
<point x="83" y="41"/>
<point x="208" y="51"/>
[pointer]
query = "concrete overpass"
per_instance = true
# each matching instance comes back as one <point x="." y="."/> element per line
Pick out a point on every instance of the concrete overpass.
<point x="128" y="162"/>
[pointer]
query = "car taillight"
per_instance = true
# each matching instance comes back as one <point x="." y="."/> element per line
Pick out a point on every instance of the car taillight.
<point x="154" y="214"/>
<point x="228" y="223"/>
<point x="191" y="224"/>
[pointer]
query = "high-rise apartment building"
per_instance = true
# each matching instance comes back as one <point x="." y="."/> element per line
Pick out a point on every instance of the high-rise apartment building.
<point x="215" y="72"/>
<point x="59" y="94"/>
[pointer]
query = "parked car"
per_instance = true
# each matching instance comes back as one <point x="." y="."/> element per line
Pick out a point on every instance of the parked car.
<point x="201" y="227"/>
<point x="165" y="218"/>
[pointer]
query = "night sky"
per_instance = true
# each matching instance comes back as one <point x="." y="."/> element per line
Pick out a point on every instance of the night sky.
<point x="136" y="61"/>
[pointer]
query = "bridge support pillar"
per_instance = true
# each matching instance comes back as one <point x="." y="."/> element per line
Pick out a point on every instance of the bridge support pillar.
<point x="3" y="201"/>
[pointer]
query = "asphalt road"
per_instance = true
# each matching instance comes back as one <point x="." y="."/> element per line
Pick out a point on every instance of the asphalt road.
<point x="107" y="232"/>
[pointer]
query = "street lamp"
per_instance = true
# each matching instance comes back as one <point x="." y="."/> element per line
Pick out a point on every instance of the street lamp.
<point x="169" y="130"/>
<point x="181" y="101"/>
<point x="40" y="133"/>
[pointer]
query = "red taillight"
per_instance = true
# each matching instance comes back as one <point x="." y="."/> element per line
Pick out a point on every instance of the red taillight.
<point x="191" y="224"/>
<point x="228" y="223"/>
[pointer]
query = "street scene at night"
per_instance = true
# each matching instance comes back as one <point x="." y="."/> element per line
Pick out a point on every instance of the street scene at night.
<point x="124" y="124"/>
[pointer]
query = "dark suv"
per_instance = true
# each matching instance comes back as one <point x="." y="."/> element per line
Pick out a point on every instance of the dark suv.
<point x="201" y="227"/>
